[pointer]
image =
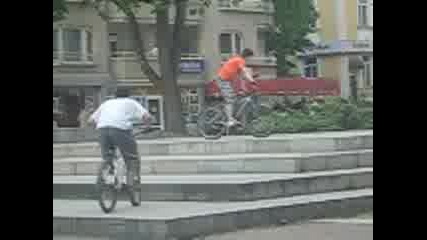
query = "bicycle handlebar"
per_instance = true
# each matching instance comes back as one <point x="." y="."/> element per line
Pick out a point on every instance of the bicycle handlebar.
<point x="253" y="89"/>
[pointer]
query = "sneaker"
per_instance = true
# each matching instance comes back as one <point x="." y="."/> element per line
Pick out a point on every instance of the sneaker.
<point x="232" y="122"/>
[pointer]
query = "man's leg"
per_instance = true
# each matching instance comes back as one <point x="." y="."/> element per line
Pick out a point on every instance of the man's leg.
<point x="107" y="150"/>
<point x="127" y="145"/>
<point x="106" y="145"/>
<point x="227" y="92"/>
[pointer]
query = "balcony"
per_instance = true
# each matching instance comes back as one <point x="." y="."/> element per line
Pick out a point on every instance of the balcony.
<point x="256" y="6"/>
<point x="146" y="15"/>
<point x="128" y="71"/>
<point x="64" y="58"/>
<point x="342" y="47"/>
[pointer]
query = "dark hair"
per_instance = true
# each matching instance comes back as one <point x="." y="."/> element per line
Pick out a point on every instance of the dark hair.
<point x="122" y="93"/>
<point x="247" y="52"/>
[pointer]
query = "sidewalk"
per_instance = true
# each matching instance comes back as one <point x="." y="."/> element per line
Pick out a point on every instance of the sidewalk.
<point x="306" y="231"/>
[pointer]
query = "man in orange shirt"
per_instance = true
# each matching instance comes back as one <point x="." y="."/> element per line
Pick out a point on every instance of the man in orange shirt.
<point x="229" y="72"/>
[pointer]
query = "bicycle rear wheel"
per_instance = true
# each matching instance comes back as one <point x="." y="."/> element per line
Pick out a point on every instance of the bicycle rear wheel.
<point x="211" y="122"/>
<point x="133" y="186"/>
<point x="257" y="127"/>
<point x="106" y="188"/>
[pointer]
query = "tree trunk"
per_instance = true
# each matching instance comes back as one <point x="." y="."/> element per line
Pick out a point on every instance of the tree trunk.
<point x="169" y="58"/>
<point x="169" y="46"/>
<point x="139" y="46"/>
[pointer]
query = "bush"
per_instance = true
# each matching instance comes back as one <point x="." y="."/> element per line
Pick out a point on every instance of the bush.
<point x="333" y="115"/>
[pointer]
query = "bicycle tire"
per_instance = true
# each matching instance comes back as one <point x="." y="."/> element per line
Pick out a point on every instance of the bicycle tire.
<point x="255" y="125"/>
<point x="103" y="188"/>
<point x="216" y="123"/>
<point x="134" y="190"/>
<point x="135" y="197"/>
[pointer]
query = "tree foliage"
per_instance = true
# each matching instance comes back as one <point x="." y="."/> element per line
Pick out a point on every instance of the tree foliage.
<point x="294" y="20"/>
<point x="59" y="10"/>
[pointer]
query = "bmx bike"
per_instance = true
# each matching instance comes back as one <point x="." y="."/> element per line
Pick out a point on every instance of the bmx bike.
<point x="212" y="121"/>
<point x="113" y="177"/>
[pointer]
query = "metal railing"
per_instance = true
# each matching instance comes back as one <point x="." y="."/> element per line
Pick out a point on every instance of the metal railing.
<point x="247" y="5"/>
<point x="131" y="55"/>
<point x="68" y="57"/>
<point x="256" y="60"/>
<point x="342" y="46"/>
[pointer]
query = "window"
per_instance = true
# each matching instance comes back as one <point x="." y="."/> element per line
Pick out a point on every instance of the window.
<point x="192" y="12"/>
<point x="55" y="104"/>
<point x="311" y="67"/>
<point x="190" y="40"/>
<point x="72" y="45"/>
<point x="112" y="38"/>
<point x="237" y="44"/>
<point x="190" y="104"/>
<point x="230" y="43"/>
<point x="367" y="76"/>
<point x="55" y="44"/>
<point x="363" y="12"/>
<point x="225" y="43"/>
<point x="263" y="41"/>
<point x="89" y="46"/>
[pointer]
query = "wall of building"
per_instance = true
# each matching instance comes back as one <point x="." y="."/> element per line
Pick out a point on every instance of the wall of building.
<point x="79" y="16"/>
<point x="330" y="67"/>
<point x="328" y="31"/>
<point x="351" y="18"/>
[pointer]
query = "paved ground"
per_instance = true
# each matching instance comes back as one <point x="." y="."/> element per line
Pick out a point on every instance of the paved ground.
<point x="172" y="210"/>
<point x="306" y="231"/>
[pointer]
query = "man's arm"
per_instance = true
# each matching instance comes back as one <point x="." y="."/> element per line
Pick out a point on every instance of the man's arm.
<point x="95" y="116"/>
<point x="141" y="113"/>
<point x="247" y="74"/>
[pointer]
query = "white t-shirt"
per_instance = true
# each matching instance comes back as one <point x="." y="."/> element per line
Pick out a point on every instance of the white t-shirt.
<point x="118" y="113"/>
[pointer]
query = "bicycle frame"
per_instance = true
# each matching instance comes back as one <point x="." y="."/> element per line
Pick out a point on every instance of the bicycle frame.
<point x="118" y="162"/>
<point x="242" y="104"/>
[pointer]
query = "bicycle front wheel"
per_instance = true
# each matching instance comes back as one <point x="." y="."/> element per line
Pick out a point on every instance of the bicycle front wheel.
<point x="212" y="122"/>
<point x="106" y="188"/>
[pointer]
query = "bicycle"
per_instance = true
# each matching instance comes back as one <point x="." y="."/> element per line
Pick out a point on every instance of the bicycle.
<point x="212" y="121"/>
<point x="112" y="178"/>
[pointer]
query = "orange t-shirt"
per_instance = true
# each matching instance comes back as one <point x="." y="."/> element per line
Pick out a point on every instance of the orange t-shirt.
<point x="230" y="70"/>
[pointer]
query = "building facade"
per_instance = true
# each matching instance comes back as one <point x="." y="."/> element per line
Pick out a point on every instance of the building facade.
<point x="92" y="55"/>
<point x="80" y="64"/>
<point x="344" y="45"/>
<point x="211" y="35"/>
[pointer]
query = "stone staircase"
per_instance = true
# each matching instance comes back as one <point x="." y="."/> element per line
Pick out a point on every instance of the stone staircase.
<point x="194" y="187"/>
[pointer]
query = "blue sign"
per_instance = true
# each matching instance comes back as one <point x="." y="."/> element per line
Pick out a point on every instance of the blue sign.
<point x="192" y="66"/>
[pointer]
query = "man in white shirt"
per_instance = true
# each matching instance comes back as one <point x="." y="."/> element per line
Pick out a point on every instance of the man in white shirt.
<point x="114" y="119"/>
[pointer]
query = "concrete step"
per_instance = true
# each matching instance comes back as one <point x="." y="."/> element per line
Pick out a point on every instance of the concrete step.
<point x="308" y="142"/>
<point x="186" y="220"/>
<point x="231" y="187"/>
<point x="228" y="163"/>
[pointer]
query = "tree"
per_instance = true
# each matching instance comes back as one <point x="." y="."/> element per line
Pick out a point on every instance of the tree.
<point x="294" y="21"/>
<point x="59" y="10"/>
<point x="168" y="44"/>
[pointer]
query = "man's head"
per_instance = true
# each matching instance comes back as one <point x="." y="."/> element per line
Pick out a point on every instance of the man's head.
<point x="122" y="93"/>
<point x="247" y="52"/>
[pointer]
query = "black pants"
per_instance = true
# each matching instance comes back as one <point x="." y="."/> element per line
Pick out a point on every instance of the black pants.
<point x="112" y="138"/>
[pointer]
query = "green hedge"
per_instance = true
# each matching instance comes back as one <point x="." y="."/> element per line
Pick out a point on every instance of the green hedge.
<point x="333" y="114"/>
